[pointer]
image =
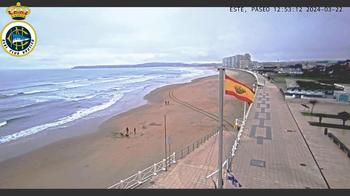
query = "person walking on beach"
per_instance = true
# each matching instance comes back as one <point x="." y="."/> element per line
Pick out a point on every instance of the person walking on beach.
<point x="127" y="132"/>
<point x="134" y="131"/>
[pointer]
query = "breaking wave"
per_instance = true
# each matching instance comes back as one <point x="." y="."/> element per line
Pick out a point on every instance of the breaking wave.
<point x="75" y="116"/>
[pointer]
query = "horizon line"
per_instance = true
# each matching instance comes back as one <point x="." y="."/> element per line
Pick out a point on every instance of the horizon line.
<point x="188" y="63"/>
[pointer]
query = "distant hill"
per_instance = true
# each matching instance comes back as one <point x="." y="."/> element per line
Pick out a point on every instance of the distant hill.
<point x="155" y="64"/>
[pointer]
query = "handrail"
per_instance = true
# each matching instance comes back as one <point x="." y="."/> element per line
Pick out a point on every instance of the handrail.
<point x="142" y="176"/>
<point x="235" y="145"/>
<point x="189" y="148"/>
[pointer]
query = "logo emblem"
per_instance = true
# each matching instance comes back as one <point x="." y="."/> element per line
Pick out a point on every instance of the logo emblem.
<point x="18" y="38"/>
<point x="239" y="90"/>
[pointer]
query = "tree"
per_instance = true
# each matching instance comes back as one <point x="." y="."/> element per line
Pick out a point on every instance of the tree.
<point x="313" y="102"/>
<point x="344" y="116"/>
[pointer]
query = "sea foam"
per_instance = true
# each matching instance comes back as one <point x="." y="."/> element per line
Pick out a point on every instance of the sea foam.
<point x="3" y="123"/>
<point x="75" y="116"/>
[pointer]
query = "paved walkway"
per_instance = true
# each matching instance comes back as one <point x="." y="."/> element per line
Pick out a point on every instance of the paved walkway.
<point x="334" y="162"/>
<point x="191" y="171"/>
<point x="272" y="152"/>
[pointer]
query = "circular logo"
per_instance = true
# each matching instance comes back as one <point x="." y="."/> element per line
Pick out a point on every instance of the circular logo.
<point x="18" y="38"/>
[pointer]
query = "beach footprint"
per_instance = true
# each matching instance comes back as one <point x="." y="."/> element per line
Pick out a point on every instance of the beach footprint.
<point x="154" y="124"/>
<point x="117" y="134"/>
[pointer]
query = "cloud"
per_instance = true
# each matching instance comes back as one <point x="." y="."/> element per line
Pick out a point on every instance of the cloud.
<point x="90" y="36"/>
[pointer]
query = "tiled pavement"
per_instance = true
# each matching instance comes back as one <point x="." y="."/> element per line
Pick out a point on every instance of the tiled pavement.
<point x="272" y="151"/>
<point x="191" y="171"/>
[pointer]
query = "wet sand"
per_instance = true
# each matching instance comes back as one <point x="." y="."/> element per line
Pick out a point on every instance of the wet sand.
<point x="98" y="159"/>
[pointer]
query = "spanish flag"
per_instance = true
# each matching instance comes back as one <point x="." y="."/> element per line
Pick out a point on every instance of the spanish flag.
<point x="238" y="90"/>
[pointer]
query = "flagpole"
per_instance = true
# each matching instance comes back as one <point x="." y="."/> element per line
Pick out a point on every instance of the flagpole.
<point x="221" y="120"/>
<point x="244" y="109"/>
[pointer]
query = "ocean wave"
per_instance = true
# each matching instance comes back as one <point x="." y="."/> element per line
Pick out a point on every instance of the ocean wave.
<point x="15" y="118"/>
<point x="97" y="81"/>
<point x="85" y="82"/>
<point x="102" y="80"/>
<point x="70" y="86"/>
<point x="3" y="96"/>
<point x="142" y="79"/>
<point x="24" y="90"/>
<point x="8" y="121"/>
<point x="79" y="98"/>
<point x="25" y="87"/>
<point x="38" y="91"/>
<point x="3" y="123"/>
<point x="106" y="80"/>
<point x="32" y="92"/>
<point x="71" y="81"/>
<point x="37" y="103"/>
<point x="75" y="116"/>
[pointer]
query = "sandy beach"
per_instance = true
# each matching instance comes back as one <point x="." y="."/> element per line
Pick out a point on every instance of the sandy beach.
<point x="101" y="158"/>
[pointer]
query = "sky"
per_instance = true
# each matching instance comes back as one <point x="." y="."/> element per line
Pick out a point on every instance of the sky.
<point x="70" y="37"/>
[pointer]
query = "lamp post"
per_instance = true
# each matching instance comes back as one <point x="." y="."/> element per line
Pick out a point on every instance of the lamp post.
<point x="221" y="118"/>
<point x="165" y="143"/>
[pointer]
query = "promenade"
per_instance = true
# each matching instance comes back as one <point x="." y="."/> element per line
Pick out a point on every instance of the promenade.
<point x="272" y="152"/>
<point x="278" y="149"/>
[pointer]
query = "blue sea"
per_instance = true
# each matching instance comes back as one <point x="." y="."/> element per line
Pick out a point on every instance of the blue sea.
<point x="33" y="101"/>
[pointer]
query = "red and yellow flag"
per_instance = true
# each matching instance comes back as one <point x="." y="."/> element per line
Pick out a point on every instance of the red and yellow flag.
<point x="239" y="90"/>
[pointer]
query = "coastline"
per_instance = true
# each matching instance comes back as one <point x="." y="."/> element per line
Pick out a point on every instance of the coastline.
<point x="94" y="160"/>
<point x="84" y="125"/>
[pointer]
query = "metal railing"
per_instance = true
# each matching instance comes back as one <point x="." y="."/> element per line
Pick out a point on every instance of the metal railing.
<point x="142" y="176"/>
<point x="242" y="126"/>
<point x="190" y="148"/>
<point x="341" y="145"/>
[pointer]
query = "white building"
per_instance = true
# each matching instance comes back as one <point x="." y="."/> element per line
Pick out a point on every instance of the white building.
<point x="238" y="61"/>
<point x="295" y="91"/>
<point x="342" y="96"/>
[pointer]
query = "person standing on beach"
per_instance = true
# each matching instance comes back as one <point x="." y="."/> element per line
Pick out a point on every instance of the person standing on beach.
<point x="134" y="131"/>
<point x="127" y="132"/>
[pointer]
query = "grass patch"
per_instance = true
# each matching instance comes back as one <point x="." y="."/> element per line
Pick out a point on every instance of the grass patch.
<point x="307" y="114"/>
<point x="280" y="79"/>
<point x="323" y="115"/>
<point x="283" y="77"/>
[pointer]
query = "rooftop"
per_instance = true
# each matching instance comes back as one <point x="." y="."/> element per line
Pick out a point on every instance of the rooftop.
<point x="291" y="83"/>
